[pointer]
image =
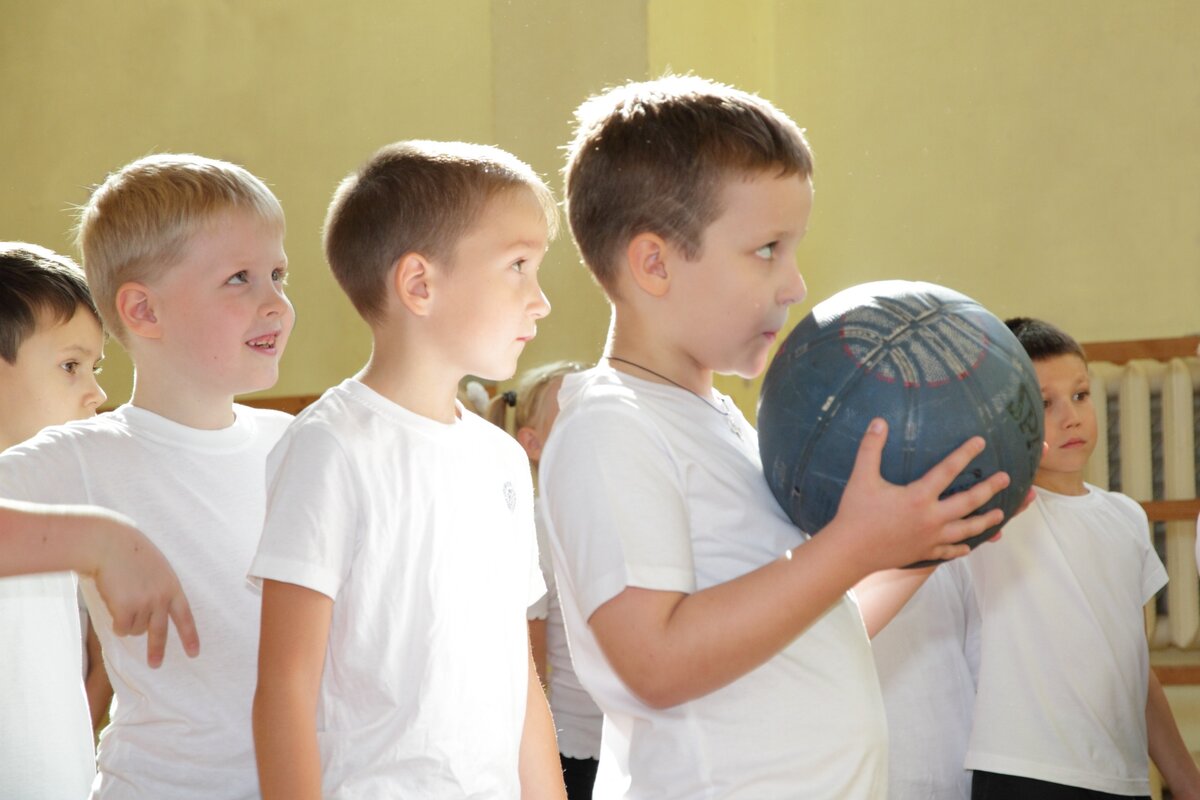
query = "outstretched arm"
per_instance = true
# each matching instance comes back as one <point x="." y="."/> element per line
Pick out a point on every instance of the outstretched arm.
<point x="291" y="659"/>
<point x="133" y="578"/>
<point x="670" y="647"/>
<point x="1167" y="748"/>
<point x="539" y="768"/>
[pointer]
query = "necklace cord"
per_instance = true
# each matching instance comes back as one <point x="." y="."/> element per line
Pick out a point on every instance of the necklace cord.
<point x="722" y="411"/>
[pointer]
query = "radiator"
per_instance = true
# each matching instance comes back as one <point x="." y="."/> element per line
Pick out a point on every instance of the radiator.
<point x="1147" y="415"/>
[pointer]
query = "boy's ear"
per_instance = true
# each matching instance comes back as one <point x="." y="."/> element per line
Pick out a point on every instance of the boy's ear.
<point x="646" y="261"/>
<point x="411" y="282"/>
<point x="136" y="308"/>
<point x="528" y="438"/>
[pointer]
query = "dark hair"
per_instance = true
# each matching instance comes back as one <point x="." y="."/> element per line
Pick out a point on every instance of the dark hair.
<point x="35" y="281"/>
<point x="1042" y="340"/>
<point x="653" y="156"/>
<point x="415" y="197"/>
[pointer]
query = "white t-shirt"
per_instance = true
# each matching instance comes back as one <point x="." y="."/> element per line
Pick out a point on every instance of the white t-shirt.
<point x="1064" y="664"/>
<point x="648" y="486"/>
<point x="183" y="730"/>
<point x="928" y="660"/>
<point x="45" y="731"/>
<point x="422" y="533"/>
<point x="577" y="718"/>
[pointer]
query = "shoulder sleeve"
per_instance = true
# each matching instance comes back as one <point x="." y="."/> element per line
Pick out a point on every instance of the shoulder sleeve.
<point x="1153" y="574"/>
<point x="44" y="469"/>
<point x="616" y="506"/>
<point x="311" y="526"/>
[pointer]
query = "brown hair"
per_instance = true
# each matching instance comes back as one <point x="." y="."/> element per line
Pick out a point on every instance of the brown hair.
<point x="1043" y="340"/>
<point x="139" y="221"/>
<point x="652" y="157"/>
<point x="35" y="281"/>
<point x="415" y="197"/>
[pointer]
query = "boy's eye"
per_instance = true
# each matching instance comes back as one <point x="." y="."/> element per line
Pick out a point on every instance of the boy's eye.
<point x="1084" y="395"/>
<point x="767" y="251"/>
<point x="70" y="367"/>
<point x="279" y="276"/>
<point x="518" y="265"/>
<point x="238" y="278"/>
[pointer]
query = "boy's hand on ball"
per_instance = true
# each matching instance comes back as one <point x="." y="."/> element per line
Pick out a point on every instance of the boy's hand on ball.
<point x="897" y="525"/>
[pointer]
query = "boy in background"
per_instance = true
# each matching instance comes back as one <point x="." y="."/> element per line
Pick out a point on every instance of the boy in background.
<point x="51" y="344"/>
<point x="42" y="299"/>
<point x="721" y="643"/>
<point x="399" y="552"/>
<point x="1067" y="705"/>
<point x="184" y="256"/>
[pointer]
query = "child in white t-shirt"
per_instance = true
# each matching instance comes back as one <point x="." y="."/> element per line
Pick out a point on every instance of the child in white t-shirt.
<point x="928" y="663"/>
<point x="577" y="720"/>
<point x="399" y="552"/>
<point x="51" y="345"/>
<point x="1067" y="704"/>
<point x="720" y="641"/>
<point x="184" y="256"/>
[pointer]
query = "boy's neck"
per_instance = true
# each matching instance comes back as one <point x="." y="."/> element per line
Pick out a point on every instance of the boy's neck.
<point x="644" y="353"/>
<point x="1064" y="483"/>
<point x="418" y="384"/>
<point x="173" y="402"/>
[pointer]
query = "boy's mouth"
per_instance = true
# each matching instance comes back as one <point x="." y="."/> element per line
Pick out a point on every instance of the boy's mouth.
<point x="265" y="342"/>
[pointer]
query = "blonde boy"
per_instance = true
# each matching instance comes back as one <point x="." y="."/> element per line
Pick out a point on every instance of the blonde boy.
<point x="721" y="643"/>
<point x="185" y="259"/>
<point x="399" y="551"/>
<point x="51" y="344"/>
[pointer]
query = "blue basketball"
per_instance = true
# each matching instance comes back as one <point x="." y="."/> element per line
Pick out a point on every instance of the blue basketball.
<point x="934" y="363"/>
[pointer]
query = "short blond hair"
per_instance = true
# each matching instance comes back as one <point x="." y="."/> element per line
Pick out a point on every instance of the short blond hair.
<point x="416" y="197"/>
<point x="138" y="222"/>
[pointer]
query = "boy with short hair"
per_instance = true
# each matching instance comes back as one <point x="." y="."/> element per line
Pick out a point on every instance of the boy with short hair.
<point x="1067" y="705"/>
<point x="51" y="344"/>
<point x="399" y="553"/>
<point x="720" y="642"/>
<point x="185" y="259"/>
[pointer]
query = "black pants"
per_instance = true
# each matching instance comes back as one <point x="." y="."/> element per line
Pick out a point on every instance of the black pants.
<point x="993" y="786"/>
<point x="579" y="774"/>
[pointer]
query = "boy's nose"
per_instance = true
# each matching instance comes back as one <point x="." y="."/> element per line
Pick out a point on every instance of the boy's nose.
<point x="540" y="306"/>
<point x="794" y="290"/>
<point x="276" y="303"/>
<point x="95" y="395"/>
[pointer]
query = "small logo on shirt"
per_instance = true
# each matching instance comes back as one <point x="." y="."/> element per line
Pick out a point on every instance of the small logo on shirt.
<point x="510" y="495"/>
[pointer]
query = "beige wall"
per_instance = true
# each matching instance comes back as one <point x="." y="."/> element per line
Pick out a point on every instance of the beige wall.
<point x="1040" y="157"/>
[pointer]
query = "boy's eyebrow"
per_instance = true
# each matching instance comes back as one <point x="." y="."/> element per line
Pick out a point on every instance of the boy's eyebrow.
<point x="73" y="349"/>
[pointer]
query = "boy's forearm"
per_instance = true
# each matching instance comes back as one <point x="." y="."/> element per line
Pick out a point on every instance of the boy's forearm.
<point x="1166" y="745"/>
<point x="882" y="594"/>
<point x="291" y="656"/>
<point x="285" y="747"/>
<point x="670" y="648"/>
<point x="540" y="769"/>
<point x="37" y="539"/>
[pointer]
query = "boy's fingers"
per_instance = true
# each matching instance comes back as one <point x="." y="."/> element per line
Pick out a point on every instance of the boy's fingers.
<point x="870" y="449"/>
<point x="181" y="613"/>
<point x="156" y="639"/>
<point x="964" y="529"/>
<point x="940" y="476"/>
<point x="960" y="504"/>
